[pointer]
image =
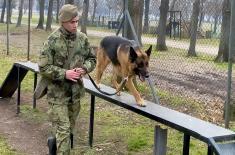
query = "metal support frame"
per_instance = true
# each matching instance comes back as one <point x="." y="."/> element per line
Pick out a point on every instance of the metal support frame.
<point x="91" y="127"/>
<point x="209" y="150"/>
<point x="186" y="144"/>
<point x="34" y="87"/>
<point x="160" y="141"/>
<point x="126" y="18"/>
<point x="18" y="91"/>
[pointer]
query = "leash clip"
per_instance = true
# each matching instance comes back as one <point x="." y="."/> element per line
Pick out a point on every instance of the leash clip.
<point x="125" y="78"/>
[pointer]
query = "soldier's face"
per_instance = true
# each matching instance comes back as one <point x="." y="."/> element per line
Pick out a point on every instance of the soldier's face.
<point x="71" y="25"/>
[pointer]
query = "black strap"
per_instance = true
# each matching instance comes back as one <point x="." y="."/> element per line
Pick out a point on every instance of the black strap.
<point x="66" y="65"/>
<point x="109" y="94"/>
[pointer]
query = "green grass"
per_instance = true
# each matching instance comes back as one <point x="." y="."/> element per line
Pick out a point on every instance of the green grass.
<point x="128" y="132"/>
<point x="32" y="115"/>
<point x="203" y="41"/>
<point x="182" y="54"/>
<point x="5" y="149"/>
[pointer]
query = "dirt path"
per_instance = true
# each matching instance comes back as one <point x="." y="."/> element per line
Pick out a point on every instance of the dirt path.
<point x="25" y="137"/>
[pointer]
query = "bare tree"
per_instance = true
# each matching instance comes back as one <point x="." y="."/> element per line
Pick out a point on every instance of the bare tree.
<point x="172" y="5"/>
<point x="223" y="52"/>
<point x="94" y="11"/>
<point x="202" y="13"/>
<point x="41" y="14"/>
<point x="57" y="10"/>
<point x="193" y="28"/>
<point x="49" y="16"/>
<point x="161" y="40"/>
<point x="217" y="14"/>
<point x="146" y="16"/>
<point x="4" y="4"/>
<point x="10" y="11"/>
<point x="69" y="1"/>
<point x="84" y="16"/>
<point x="114" y="6"/>
<point x="136" y="8"/>
<point x="20" y="13"/>
<point x="31" y="7"/>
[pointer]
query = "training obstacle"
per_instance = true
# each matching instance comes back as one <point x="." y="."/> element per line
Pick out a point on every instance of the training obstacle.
<point x="220" y="141"/>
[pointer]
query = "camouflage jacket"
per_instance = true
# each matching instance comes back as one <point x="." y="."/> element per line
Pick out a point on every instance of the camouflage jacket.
<point x="54" y="56"/>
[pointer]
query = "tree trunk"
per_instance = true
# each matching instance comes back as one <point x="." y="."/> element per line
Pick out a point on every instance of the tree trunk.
<point x="193" y="29"/>
<point x="20" y="13"/>
<point x="146" y="16"/>
<point x="84" y="16"/>
<point x="3" y="11"/>
<point x="202" y="14"/>
<point x="161" y="40"/>
<point x="136" y="8"/>
<point x="10" y="12"/>
<point x="57" y="10"/>
<point x="69" y="1"/>
<point x="41" y="14"/>
<point x="49" y="16"/>
<point x="216" y="18"/>
<point x="31" y="13"/>
<point x="223" y="52"/>
<point x="94" y="11"/>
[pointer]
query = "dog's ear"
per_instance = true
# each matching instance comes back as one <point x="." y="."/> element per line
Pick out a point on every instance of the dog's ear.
<point x="133" y="54"/>
<point x="148" y="52"/>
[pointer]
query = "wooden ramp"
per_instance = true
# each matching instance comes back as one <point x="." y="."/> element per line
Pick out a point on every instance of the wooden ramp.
<point x="15" y="76"/>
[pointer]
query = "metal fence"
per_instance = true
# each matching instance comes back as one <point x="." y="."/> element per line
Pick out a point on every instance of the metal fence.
<point x="199" y="81"/>
<point x="196" y="85"/>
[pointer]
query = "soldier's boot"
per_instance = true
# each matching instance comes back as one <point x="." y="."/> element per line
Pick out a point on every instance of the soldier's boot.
<point x="71" y="139"/>
<point x="51" y="143"/>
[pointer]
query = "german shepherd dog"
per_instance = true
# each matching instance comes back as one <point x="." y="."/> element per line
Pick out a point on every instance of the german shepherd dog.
<point x="127" y="60"/>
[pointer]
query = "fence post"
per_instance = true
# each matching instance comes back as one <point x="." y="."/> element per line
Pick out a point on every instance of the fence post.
<point x="8" y="22"/>
<point x="160" y="141"/>
<point x="29" y="21"/>
<point x="230" y="61"/>
<point x="125" y="18"/>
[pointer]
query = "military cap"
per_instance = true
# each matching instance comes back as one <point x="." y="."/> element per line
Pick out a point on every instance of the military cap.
<point x="68" y="12"/>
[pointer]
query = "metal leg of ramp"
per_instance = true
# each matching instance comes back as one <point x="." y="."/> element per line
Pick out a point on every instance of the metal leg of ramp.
<point x="223" y="145"/>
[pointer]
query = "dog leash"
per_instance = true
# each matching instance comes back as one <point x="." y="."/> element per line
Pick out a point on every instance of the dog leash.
<point x="109" y="94"/>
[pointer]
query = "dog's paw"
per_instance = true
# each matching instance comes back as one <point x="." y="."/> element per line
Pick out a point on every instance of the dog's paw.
<point x="119" y="94"/>
<point x="141" y="103"/>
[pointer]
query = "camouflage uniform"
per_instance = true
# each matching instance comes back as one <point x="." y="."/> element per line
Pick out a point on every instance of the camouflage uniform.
<point x="63" y="95"/>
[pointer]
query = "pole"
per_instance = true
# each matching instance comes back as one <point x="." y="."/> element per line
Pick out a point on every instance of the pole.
<point x="8" y="21"/>
<point x="29" y="20"/>
<point x="125" y="18"/>
<point x="230" y="61"/>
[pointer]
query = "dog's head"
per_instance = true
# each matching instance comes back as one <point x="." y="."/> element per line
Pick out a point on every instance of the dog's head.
<point x="140" y="61"/>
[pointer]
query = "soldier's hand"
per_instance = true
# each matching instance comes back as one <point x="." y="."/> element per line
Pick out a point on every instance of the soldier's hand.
<point x="81" y="71"/>
<point x="72" y="75"/>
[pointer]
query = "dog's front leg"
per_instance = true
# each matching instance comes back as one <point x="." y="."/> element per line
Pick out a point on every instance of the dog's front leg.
<point x="135" y="93"/>
<point x="115" y="83"/>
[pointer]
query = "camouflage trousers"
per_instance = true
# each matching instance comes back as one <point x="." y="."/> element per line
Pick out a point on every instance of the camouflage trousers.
<point x="63" y="114"/>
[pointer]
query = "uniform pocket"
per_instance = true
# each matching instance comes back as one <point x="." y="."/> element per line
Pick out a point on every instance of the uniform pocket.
<point x="59" y="60"/>
<point x="52" y="114"/>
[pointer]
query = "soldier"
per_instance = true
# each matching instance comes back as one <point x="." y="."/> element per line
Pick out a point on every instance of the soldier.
<point x="65" y="58"/>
